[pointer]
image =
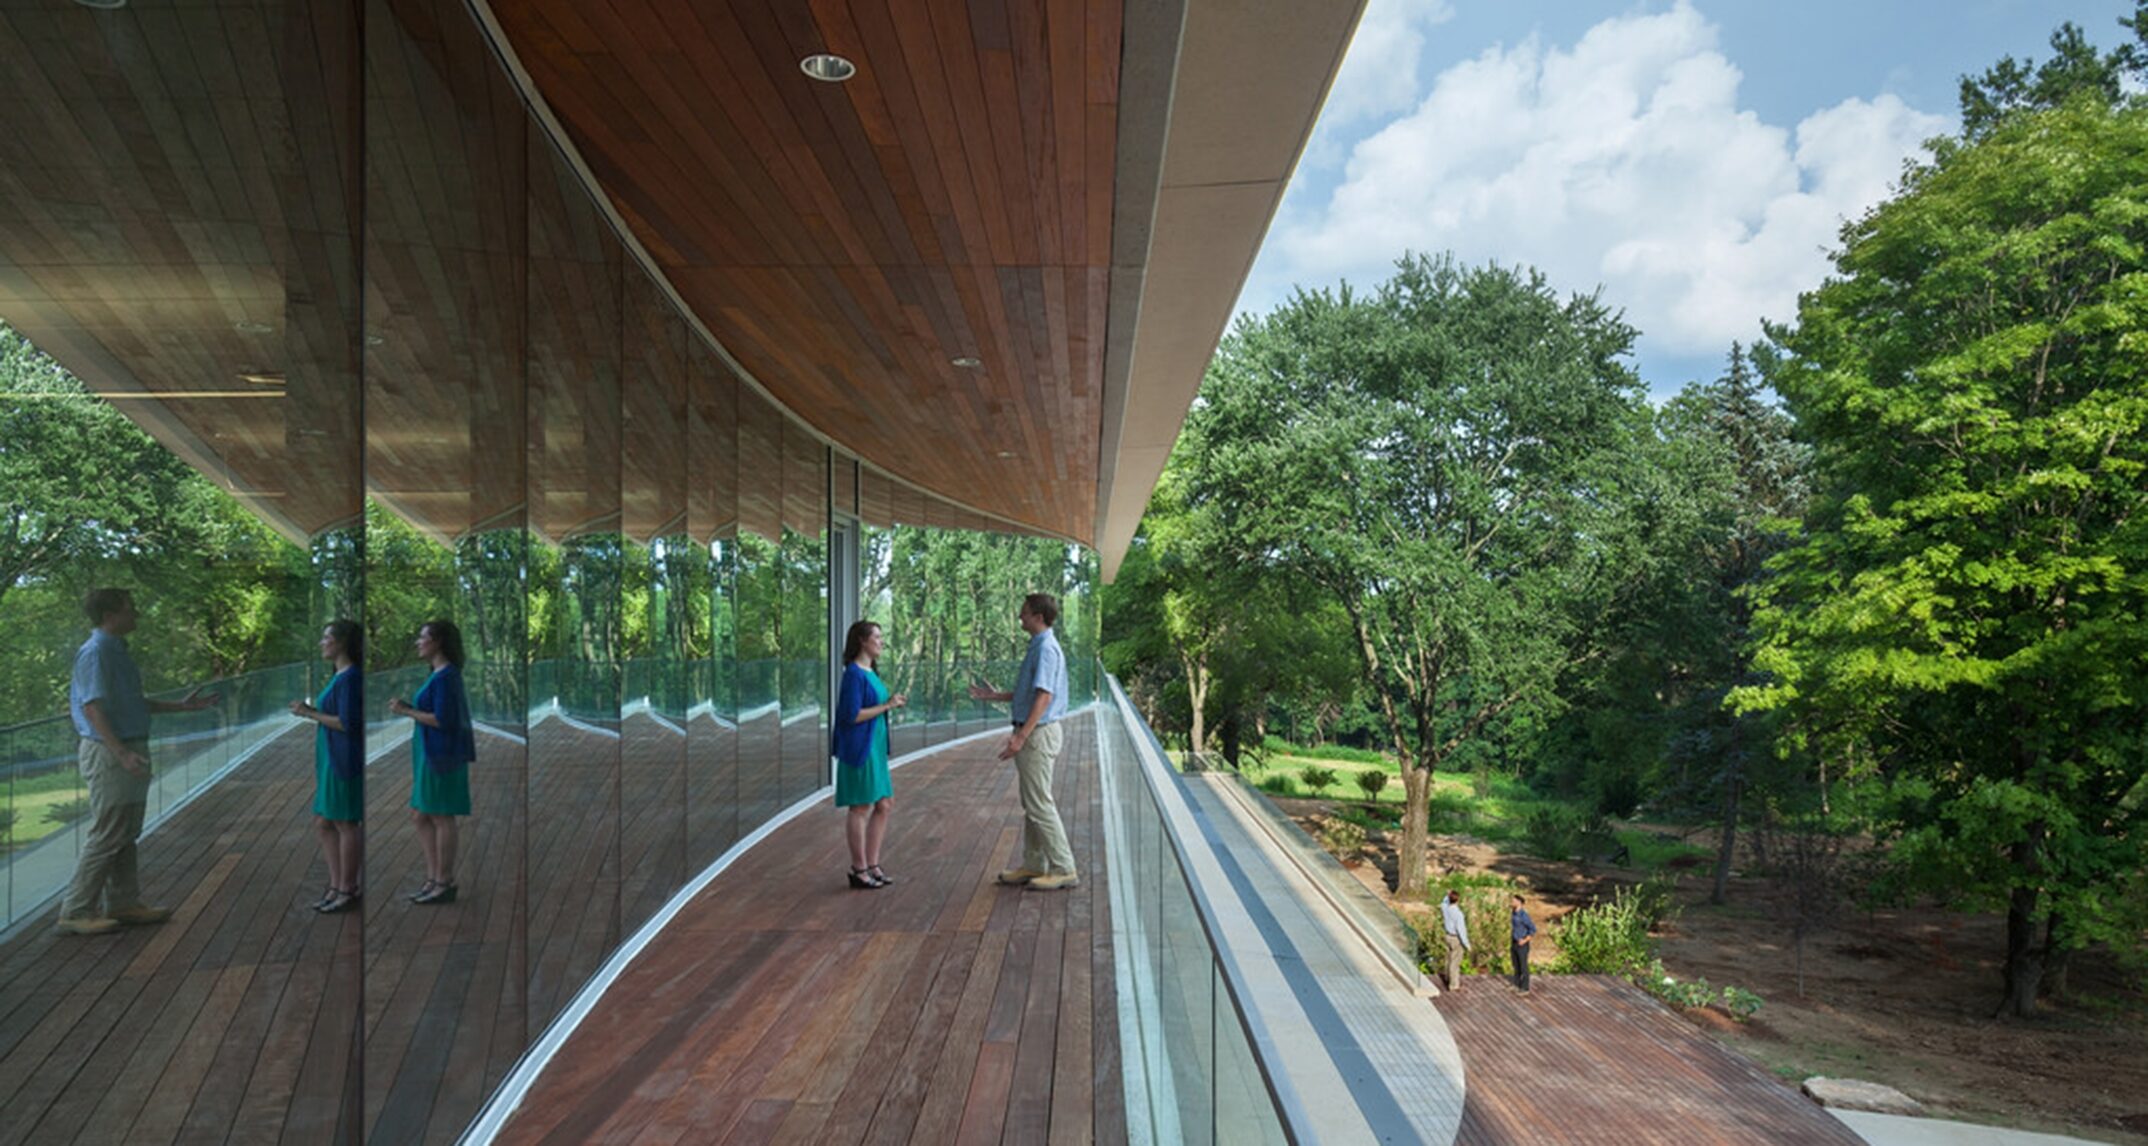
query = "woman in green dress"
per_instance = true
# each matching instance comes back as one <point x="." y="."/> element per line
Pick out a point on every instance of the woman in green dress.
<point x="860" y="743"/>
<point x="442" y="747"/>
<point x="339" y="764"/>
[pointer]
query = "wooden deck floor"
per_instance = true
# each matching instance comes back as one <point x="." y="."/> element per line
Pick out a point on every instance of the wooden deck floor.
<point x="1591" y="1059"/>
<point x="782" y="1006"/>
<point x="240" y="1019"/>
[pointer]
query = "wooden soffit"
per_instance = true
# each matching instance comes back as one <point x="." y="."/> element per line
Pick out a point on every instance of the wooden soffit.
<point x="1068" y="192"/>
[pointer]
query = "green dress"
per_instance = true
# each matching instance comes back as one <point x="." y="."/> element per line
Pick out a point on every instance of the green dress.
<point x="869" y="782"/>
<point x="334" y="797"/>
<point x="434" y="791"/>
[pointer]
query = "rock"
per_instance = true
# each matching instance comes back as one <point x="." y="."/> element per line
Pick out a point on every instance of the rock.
<point x="1853" y="1094"/>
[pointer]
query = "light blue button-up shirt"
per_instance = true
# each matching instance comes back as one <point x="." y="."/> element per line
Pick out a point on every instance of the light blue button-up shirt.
<point x="105" y="672"/>
<point x="1044" y="667"/>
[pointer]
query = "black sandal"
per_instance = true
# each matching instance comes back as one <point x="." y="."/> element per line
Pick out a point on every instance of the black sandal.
<point x="861" y="878"/>
<point x="424" y="889"/>
<point x="441" y="893"/>
<point x="339" y="903"/>
<point x="880" y="875"/>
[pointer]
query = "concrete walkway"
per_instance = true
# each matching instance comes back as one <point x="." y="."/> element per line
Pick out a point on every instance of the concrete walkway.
<point x="1901" y="1130"/>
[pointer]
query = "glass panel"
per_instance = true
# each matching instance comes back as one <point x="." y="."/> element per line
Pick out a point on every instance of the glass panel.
<point x="179" y="402"/>
<point x="655" y="597"/>
<point x="804" y="625"/>
<point x="445" y="252"/>
<point x="576" y="329"/>
<point x="758" y="581"/>
<point x="712" y="519"/>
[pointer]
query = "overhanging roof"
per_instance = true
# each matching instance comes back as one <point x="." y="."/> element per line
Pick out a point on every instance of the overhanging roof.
<point x="1070" y="193"/>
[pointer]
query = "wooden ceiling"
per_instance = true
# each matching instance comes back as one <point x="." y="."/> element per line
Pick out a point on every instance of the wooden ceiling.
<point x="193" y="194"/>
<point x="845" y="243"/>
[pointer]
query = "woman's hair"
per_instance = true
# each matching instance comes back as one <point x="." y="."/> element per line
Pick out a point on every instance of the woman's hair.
<point x="448" y="637"/>
<point x="351" y="635"/>
<point x="854" y="640"/>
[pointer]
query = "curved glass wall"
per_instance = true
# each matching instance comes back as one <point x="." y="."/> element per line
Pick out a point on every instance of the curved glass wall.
<point x="306" y="320"/>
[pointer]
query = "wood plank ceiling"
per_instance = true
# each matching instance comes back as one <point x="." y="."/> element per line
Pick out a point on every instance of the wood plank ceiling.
<point x="847" y="243"/>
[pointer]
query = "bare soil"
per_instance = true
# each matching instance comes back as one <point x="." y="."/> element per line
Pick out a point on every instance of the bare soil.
<point x="1903" y="997"/>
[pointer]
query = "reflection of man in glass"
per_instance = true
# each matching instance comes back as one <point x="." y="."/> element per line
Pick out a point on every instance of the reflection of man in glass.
<point x="1038" y="703"/>
<point x="112" y="717"/>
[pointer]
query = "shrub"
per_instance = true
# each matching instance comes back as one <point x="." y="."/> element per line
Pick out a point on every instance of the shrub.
<point x="1370" y="782"/>
<point x="69" y="811"/>
<point x="1551" y="831"/>
<point x="1281" y="747"/>
<point x="1317" y="778"/>
<point x="1605" y="938"/>
<point x="1277" y="785"/>
<point x="1341" y="837"/>
<point x="1741" y="1003"/>
<point x="1447" y="811"/>
<point x="7" y="821"/>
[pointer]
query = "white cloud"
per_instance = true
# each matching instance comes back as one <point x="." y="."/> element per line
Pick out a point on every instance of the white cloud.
<point x="1623" y="160"/>
<point x="1379" y="75"/>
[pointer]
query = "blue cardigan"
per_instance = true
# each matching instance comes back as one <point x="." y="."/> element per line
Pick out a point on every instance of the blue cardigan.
<point x="850" y="739"/>
<point x="346" y="702"/>
<point x="454" y="743"/>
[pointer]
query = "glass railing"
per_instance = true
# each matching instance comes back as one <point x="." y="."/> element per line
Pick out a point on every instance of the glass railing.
<point x="46" y="808"/>
<point x="1188" y="1055"/>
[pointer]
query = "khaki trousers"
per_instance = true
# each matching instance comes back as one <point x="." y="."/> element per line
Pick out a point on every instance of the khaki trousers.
<point x="1454" y="960"/>
<point x="1044" y="838"/>
<point x="105" y="876"/>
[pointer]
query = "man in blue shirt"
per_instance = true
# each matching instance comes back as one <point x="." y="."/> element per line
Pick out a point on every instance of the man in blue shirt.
<point x="1036" y="705"/>
<point x="1524" y="931"/>
<point x="111" y="715"/>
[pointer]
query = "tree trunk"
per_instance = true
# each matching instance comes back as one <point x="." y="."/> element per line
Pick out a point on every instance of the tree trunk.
<point x="2024" y="961"/>
<point x="2024" y="957"/>
<point x="1730" y="840"/>
<point x="1197" y="692"/>
<point x="2056" y="959"/>
<point x="1410" y="857"/>
<point x="1728" y="848"/>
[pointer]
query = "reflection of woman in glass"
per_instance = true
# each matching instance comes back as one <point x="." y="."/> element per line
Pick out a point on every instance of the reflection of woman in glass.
<point x="339" y="764"/>
<point x="441" y="748"/>
<point x="860" y="736"/>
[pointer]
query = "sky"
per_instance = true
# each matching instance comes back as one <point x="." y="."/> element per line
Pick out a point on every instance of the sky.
<point x="1695" y="159"/>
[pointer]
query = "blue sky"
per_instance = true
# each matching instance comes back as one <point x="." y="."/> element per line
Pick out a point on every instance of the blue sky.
<point x="1695" y="159"/>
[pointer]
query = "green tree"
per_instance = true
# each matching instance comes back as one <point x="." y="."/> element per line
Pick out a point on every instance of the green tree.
<point x="83" y="483"/>
<point x="2075" y="69"/>
<point x="1964" y="612"/>
<point x="1448" y="458"/>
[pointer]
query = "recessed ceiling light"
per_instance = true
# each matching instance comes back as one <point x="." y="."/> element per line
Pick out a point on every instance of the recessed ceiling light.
<point x="966" y="362"/>
<point x="262" y="377"/>
<point x="249" y="326"/>
<point x="828" y="69"/>
<point x="1006" y="453"/>
<point x="374" y="340"/>
<point x="102" y="3"/>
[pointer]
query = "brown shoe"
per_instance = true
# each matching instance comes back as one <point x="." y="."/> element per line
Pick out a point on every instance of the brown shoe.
<point x="142" y="913"/>
<point x="1019" y="875"/>
<point x="1055" y="881"/>
<point x="87" y="925"/>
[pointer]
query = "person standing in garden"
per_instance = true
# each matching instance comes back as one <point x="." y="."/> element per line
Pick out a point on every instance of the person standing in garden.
<point x="1524" y="931"/>
<point x="111" y="715"/>
<point x="1456" y="928"/>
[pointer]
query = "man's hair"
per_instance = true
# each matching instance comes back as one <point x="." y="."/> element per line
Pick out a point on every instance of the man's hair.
<point x="1042" y="605"/>
<point x="102" y="603"/>
<point x="1453" y="896"/>
<point x="1517" y="897"/>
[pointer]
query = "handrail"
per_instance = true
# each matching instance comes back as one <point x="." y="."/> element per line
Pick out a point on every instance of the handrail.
<point x="1194" y="860"/>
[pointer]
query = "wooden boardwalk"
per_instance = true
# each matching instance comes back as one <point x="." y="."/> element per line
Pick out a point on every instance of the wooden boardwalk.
<point x="1587" y="1059"/>
<point x="783" y="1006"/>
